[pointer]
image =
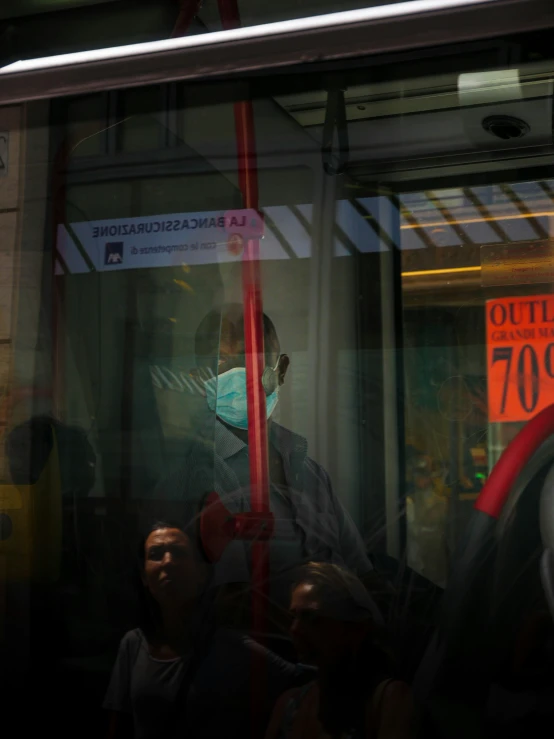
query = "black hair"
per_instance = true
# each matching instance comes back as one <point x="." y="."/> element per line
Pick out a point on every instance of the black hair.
<point x="189" y="529"/>
<point x="228" y="320"/>
<point x="149" y="613"/>
<point x="342" y="595"/>
<point x="346" y="688"/>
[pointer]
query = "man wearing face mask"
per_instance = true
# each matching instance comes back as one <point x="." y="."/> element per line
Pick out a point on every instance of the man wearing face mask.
<point x="310" y="522"/>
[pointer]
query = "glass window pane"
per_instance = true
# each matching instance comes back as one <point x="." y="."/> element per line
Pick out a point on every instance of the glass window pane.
<point x="233" y="359"/>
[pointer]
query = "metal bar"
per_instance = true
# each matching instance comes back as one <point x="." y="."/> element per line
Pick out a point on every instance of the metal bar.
<point x="349" y="34"/>
<point x="448" y="217"/>
<point x="345" y="240"/>
<point x="374" y="224"/>
<point x="389" y="213"/>
<point x="545" y="187"/>
<point x="305" y="223"/>
<point x="272" y="226"/>
<point x="539" y="230"/>
<point x="337" y="231"/>
<point x="255" y="365"/>
<point x="80" y="248"/>
<point x="486" y="214"/>
<point x="58" y="258"/>
<point x="419" y="228"/>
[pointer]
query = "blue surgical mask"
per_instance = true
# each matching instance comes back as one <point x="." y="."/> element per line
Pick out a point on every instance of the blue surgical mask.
<point x="231" y="404"/>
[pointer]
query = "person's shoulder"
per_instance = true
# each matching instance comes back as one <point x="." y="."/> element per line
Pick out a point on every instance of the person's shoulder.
<point x="396" y="693"/>
<point x="315" y="468"/>
<point x="131" y="640"/>
<point x="287" y="440"/>
<point x="293" y="443"/>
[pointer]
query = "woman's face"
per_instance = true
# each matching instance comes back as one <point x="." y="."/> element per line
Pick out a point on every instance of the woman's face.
<point x="319" y="640"/>
<point x="172" y="572"/>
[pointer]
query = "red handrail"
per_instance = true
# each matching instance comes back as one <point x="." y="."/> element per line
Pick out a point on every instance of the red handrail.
<point x="255" y="363"/>
<point x="188" y="11"/>
<point x="514" y="458"/>
<point x="254" y="338"/>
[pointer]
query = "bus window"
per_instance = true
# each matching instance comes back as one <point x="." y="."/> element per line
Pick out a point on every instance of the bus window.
<point x="401" y="233"/>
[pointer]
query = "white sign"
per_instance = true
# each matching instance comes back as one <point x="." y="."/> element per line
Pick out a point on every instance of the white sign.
<point x="157" y="241"/>
<point x="209" y="237"/>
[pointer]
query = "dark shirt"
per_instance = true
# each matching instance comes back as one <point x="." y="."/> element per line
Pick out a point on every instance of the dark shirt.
<point x="311" y="522"/>
<point x="219" y="700"/>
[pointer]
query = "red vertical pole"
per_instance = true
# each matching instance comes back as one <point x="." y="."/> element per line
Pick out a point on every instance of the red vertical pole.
<point x="58" y="183"/>
<point x="255" y="363"/>
<point x="188" y="10"/>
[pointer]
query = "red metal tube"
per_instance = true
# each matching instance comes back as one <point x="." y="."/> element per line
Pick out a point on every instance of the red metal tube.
<point x="189" y="9"/>
<point x="254" y="338"/>
<point x="514" y="458"/>
<point x="255" y="363"/>
<point x="229" y="14"/>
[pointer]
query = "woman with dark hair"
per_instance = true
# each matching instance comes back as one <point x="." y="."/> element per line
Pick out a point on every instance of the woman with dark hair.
<point x="178" y="674"/>
<point x="355" y="694"/>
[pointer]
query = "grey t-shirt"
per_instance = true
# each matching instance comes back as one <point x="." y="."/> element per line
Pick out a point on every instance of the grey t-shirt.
<point x="219" y="701"/>
<point x="143" y="686"/>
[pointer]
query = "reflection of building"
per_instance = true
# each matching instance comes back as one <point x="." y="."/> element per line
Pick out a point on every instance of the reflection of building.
<point x="142" y="174"/>
<point x="404" y="249"/>
<point x="376" y="279"/>
<point x="446" y="287"/>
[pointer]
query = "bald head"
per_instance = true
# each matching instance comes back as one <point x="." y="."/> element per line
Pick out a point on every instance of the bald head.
<point x="221" y="334"/>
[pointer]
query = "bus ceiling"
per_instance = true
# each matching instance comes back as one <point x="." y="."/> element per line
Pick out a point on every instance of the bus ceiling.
<point x="344" y="35"/>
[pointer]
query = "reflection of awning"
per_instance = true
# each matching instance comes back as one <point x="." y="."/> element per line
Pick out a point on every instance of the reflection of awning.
<point x="478" y="215"/>
<point x="428" y="219"/>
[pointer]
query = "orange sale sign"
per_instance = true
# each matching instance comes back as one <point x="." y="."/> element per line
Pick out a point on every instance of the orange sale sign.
<point x="520" y="356"/>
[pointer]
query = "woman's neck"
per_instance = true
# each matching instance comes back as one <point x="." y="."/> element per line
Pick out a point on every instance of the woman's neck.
<point x="177" y="626"/>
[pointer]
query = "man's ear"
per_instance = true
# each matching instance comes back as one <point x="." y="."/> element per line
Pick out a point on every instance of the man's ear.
<point x="284" y="363"/>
